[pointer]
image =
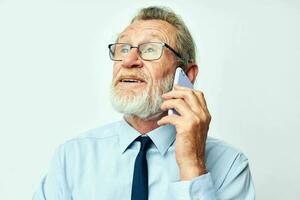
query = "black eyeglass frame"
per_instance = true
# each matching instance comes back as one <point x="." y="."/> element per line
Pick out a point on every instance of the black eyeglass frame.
<point x="131" y="47"/>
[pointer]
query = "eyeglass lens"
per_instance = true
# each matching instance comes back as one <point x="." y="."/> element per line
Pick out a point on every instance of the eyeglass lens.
<point x="147" y="51"/>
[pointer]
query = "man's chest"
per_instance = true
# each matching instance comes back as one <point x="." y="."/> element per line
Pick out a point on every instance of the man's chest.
<point x="109" y="176"/>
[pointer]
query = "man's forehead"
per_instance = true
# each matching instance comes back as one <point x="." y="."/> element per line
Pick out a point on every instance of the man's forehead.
<point x="151" y="23"/>
<point x="150" y="34"/>
<point x="152" y="28"/>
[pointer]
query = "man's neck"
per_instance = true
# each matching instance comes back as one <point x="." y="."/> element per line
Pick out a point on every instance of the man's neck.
<point x="144" y="126"/>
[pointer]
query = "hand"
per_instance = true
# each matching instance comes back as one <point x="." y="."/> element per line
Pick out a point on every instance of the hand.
<point x="191" y="126"/>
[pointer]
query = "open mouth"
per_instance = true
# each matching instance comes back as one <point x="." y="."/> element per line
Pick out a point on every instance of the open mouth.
<point x="131" y="81"/>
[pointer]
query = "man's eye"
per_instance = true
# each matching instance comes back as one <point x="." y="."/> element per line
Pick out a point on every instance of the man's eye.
<point x="124" y="50"/>
<point x="149" y="50"/>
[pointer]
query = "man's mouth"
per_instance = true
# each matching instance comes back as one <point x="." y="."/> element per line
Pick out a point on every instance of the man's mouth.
<point x="131" y="81"/>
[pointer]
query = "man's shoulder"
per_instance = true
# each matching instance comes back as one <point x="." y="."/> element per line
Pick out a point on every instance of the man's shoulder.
<point x="219" y="148"/>
<point x="102" y="132"/>
<point x="88" y="143"/>
<point x="223" y="159"/>
<point x="219" y="153"/>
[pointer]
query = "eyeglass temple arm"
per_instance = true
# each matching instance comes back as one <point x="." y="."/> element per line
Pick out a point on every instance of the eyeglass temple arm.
<point x="175" y="52"/>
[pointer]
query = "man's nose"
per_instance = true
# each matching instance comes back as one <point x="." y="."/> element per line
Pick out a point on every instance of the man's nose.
<point x="132" y="59"/>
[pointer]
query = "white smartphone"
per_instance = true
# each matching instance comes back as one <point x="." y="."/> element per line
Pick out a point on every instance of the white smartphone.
<point x="181" y="79"/>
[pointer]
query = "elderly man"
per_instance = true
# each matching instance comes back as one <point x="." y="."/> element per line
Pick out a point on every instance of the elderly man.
<point x="150" y="154"/>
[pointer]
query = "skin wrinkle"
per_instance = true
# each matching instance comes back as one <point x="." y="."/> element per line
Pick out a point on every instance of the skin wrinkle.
<point x="139" y="31"/>
<point x="157" y="38"/>
<point x="168" y="28"/>
<point x="150" y="71"/>
<point x="191" y="126"/>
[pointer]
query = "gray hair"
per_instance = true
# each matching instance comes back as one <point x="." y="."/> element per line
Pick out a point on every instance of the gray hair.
<point x="184" y="42"/>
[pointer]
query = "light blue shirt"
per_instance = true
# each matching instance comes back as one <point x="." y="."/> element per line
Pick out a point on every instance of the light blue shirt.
<point x="99" y="164"/>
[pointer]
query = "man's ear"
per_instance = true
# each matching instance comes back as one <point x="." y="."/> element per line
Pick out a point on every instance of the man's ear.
<point x="192" y="71"/>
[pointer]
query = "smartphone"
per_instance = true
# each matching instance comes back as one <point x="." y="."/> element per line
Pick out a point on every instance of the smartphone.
<point x="181" y="79"/>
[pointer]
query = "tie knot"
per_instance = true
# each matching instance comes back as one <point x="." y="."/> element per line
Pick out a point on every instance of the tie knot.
<point x="145" y="142"/>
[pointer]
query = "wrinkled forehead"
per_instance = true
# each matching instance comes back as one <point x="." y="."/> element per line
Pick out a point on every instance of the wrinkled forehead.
<point x="146" y="30"/>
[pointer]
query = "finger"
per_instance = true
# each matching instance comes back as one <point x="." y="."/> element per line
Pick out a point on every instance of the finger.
<point x="169" y="119"/>
<point x="179" y="94"/>
<point x="178" y="104"/>
<point x="201" y="109"/>
<point x="188" y="96"/>
<point x="201" y="98"/>
<point x="179" y="87"/>
<point x="199" y="94"/>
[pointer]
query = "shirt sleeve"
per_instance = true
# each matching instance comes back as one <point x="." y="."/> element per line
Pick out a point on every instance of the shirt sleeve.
<point x="237" y="185"/>
<point x="238" y="182"/>
<point x="53" y="185"/>
<point x="199" y="188"/>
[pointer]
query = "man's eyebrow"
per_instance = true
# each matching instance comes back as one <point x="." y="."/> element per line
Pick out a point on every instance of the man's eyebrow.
<point x="120" y="37"/>
<point x="154" y="35"/>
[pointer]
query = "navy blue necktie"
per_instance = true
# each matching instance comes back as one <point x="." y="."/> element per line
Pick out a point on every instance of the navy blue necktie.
<point x="140" y="175"/>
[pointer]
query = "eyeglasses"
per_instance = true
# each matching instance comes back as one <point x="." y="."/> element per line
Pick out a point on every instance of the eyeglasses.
<point x="147" y="51"/>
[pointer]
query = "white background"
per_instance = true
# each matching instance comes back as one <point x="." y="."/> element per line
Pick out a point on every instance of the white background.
<point x="55" y="76"/>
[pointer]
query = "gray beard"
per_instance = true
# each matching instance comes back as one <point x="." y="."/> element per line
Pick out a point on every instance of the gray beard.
<point x="143" y="105"/>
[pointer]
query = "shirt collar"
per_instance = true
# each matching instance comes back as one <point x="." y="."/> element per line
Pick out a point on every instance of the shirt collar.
<point x="162" y="136"/>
